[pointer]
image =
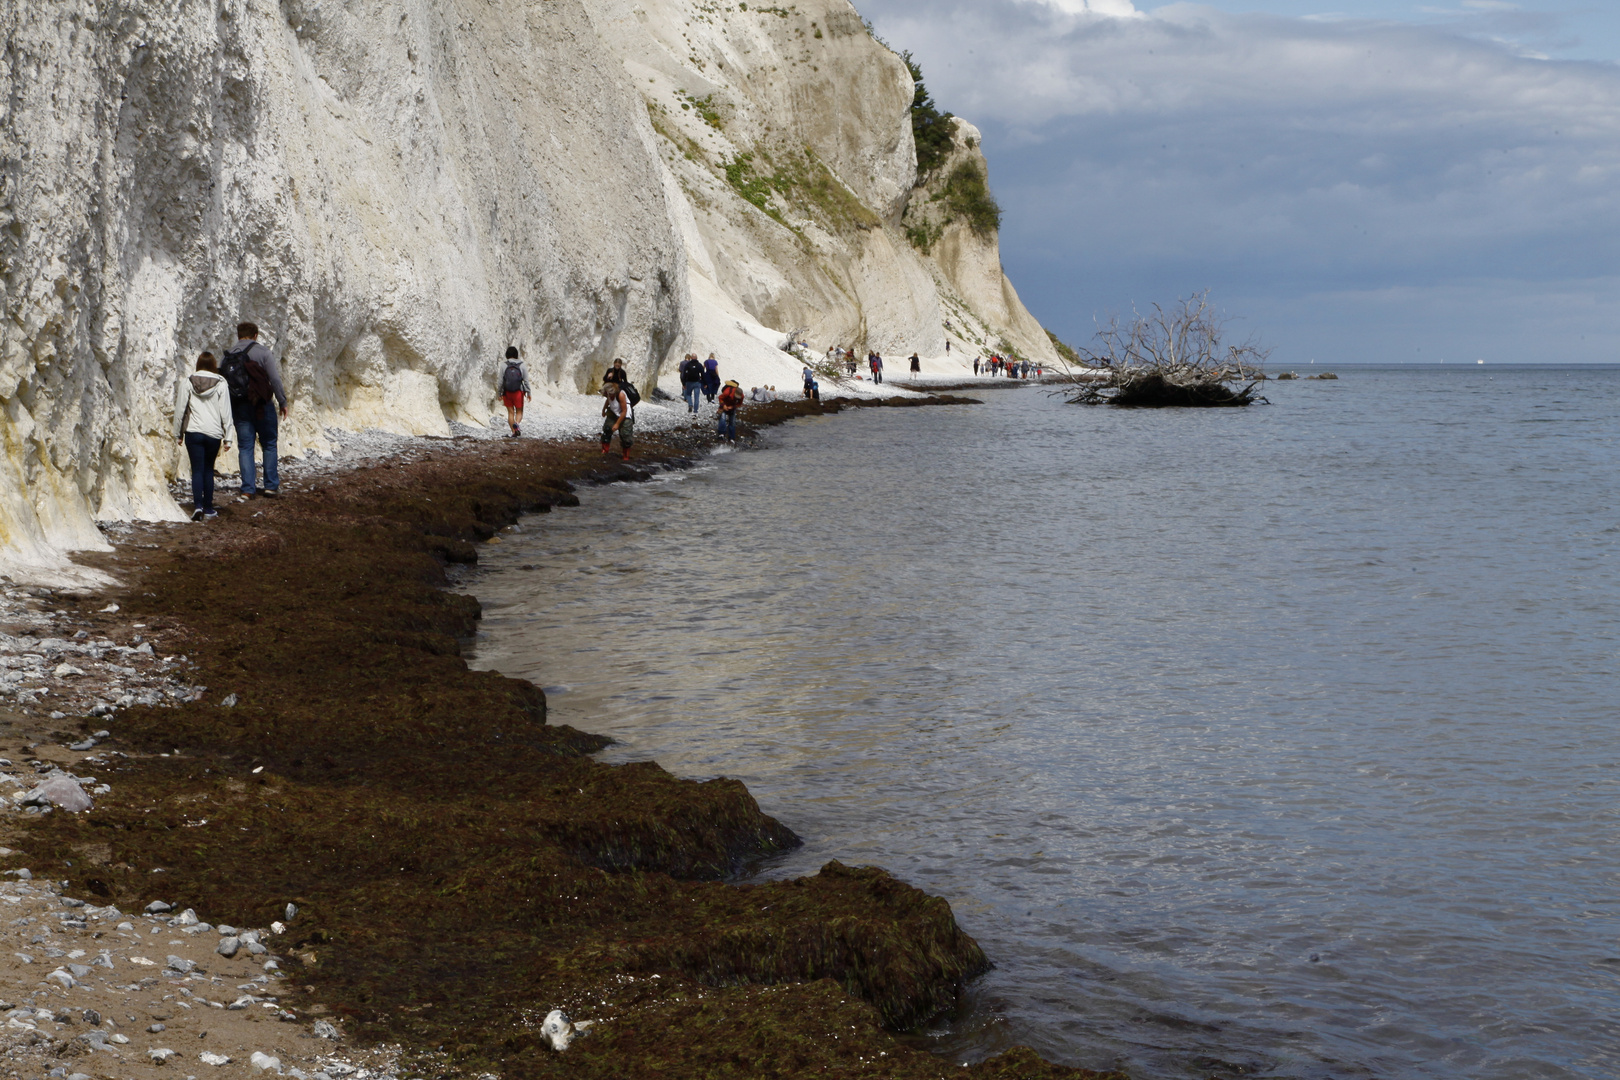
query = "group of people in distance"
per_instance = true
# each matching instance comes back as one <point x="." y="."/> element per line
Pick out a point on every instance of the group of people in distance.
<point x="874" y="361"/>
<point x="1000" y="365"/>
<point x="704" y="379"/>
<point x="241" y="397"/>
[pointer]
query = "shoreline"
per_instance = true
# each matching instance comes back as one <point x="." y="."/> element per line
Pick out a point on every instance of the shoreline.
<point x="461" y="867"/>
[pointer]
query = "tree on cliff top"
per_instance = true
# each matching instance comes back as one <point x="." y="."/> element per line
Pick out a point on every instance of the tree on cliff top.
<point x="931" y="129"/>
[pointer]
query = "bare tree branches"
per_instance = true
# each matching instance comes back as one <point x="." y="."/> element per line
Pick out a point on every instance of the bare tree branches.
<point x="1168" y="356"/>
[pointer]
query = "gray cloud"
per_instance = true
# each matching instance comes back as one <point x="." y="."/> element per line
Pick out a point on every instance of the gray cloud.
<point x="1331" y="174"/>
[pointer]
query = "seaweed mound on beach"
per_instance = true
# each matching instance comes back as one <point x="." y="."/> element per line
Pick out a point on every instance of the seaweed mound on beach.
<point x="460" y="866"/>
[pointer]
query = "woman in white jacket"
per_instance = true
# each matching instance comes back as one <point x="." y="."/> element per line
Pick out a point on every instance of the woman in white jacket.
<point x="202" y="424"/>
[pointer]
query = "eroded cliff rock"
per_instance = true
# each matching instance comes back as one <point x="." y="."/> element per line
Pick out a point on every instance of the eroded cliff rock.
<point x="395" y="190"/>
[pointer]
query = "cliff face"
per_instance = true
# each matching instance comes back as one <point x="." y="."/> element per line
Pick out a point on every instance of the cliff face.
<point x="396" y="190"/>
<point x="787" y="132"/>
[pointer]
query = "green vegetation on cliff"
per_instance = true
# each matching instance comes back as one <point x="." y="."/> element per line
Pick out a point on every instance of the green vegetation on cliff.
<point x="968" y="198"/>
<point x="931" y="129"/>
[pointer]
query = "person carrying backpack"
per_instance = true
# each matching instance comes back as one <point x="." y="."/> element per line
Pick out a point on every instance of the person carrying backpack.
<point x="618" y="414"/>
<point x="711" y="377"/>
<point x="203" y="425"/>
<point x="514" y="390"/>
<point x="691" y="381"/>
<point x="731" y="399"/>
<point x="258" y="402"/>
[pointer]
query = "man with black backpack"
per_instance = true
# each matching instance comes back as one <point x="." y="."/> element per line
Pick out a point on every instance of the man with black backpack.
<point x="258" y="403"/>
<point x="514" y="390"/>
<point x="691" y="381"/>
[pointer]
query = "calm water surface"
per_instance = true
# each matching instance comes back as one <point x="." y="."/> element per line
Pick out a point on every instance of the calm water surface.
<point x="1277" y="741"/>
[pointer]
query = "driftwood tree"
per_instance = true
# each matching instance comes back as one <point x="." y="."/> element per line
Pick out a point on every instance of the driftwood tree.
<point x="1175" y="356"/>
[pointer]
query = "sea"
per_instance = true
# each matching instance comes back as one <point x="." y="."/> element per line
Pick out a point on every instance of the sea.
<point x="1265" y="742"/>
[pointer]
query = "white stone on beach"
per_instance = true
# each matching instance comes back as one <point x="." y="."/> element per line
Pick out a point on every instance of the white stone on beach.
<point x="557" y="1029"/>
<point x="262" y="1061"/>
<point x="58" y="791"/>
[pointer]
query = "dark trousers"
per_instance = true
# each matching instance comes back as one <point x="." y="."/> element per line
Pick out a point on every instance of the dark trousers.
<point x="202" y="451"/>
<point x="260" y="424"/>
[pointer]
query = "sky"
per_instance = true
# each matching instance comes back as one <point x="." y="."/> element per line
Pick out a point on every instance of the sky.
<point x="1378" y="181"/>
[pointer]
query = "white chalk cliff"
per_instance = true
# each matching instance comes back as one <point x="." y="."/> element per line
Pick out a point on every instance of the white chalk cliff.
<point x="397" y="190"/>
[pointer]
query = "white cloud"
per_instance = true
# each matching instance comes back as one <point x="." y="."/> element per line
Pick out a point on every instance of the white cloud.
<point x="1110" y="8"/>
<point x="1275" y="157"/>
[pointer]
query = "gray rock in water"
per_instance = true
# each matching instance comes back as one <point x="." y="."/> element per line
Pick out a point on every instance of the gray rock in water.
<point x="180" y="964"/>
<point x="228" y="946"/>
<point x="58" y="791"/>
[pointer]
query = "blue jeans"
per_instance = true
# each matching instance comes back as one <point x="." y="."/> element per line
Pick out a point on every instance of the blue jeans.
<point x="689" y="394"/>
<point x="728" y="425"/>
<point x="202" y="451"/>
<point x="264" y="426"/>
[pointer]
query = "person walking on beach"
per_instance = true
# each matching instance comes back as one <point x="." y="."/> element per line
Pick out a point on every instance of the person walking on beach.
<point x="691" y="381"/>
<point x="877" y="367"/>
<point x="916" y="365"/>
<point x="731" y="398"/>
<point x="258" y="402"/>
<point x="617" y="415"/>
<point x="711" y="378"/>
<point x="514" y="390"/>
<point x="203" y="425"/>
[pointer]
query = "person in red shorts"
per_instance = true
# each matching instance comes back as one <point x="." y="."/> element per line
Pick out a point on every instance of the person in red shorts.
<point x="514" y="390"/>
